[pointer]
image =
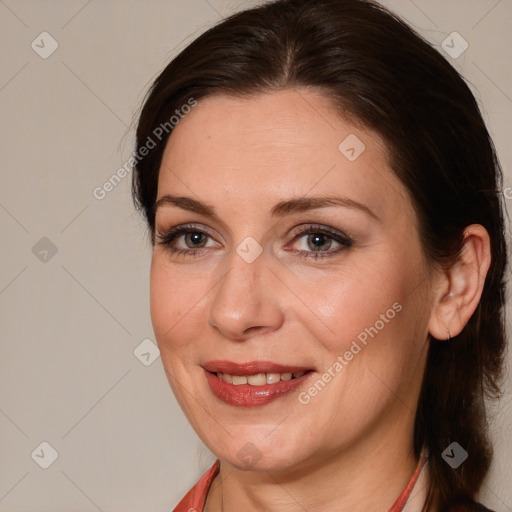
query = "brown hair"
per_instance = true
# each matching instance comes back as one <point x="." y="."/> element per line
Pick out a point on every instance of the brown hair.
<point x="379" y="71"/>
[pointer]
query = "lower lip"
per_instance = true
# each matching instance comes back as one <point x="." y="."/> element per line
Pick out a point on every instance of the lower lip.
<point x="245" y="395"/>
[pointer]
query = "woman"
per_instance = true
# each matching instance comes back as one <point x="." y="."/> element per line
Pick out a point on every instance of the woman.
<point x="327" y="280"/>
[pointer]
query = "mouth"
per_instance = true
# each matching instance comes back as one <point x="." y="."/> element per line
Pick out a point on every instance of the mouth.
<point x="255" y="383"/>
<point x="258" y="379"/>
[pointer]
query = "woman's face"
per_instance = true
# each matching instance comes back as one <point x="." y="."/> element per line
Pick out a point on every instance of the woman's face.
<point x="270" y="273"/>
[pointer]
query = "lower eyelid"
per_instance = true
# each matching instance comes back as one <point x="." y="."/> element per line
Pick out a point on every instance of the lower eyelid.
<point x="343" y="241"/>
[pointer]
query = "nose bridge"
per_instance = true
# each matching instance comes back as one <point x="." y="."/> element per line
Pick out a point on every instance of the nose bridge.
<point x="243" y="298"/>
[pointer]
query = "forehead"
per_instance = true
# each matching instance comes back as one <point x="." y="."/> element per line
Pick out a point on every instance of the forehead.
<point x="278" y="144"/>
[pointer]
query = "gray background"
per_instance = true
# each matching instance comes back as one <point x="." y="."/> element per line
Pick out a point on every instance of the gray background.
<point x="72" y="320"/>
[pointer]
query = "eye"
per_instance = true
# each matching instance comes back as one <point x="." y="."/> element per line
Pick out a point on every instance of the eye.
<point x="318" y="240"/>
<point x="193" y="238"/>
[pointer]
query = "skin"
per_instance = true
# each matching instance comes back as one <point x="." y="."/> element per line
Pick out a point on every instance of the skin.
<point x="350" y="448"/>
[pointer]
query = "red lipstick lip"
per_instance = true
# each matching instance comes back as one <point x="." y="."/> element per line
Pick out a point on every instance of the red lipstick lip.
<point x="246" y="395"/>
<point x="251" y="367"/>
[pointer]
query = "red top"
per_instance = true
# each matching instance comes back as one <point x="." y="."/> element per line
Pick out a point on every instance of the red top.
<point x="195" y="499"/>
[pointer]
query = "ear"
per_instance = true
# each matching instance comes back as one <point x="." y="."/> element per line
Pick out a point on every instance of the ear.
<point x="460" y="288"/>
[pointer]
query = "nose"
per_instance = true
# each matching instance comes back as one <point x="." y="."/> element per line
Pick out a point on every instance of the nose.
<point x="247" y="300"/>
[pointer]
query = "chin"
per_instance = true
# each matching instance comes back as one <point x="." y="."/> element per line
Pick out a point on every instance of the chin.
<point x="248" y="459"/>
<point x="249" y="454"/>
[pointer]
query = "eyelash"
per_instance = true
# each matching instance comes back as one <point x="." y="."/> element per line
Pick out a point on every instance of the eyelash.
<point x="166" y="237"/>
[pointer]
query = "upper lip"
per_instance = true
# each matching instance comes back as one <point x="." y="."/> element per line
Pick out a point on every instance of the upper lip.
<point x="251" y="367"/>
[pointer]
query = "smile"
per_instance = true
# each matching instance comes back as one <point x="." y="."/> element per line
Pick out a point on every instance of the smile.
<point x="259" y="379"/>
<point x="253" y="384"/>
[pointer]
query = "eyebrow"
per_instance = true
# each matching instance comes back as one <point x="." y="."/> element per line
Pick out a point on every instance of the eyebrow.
<point x="287" y="207"/>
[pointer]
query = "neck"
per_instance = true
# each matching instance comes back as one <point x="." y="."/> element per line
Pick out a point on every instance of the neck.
<point x="358" y="479"/>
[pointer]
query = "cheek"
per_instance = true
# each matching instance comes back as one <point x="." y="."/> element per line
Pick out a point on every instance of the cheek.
<point x="172" y="296"/>
<point x="355" y="304"/>
<point x="377" y="319"/>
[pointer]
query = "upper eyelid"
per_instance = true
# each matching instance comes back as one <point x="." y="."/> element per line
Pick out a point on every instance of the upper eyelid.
<point x="298" y="231"/>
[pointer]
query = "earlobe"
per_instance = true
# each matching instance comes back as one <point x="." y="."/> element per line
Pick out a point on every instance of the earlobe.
<point x="460" y="287"/>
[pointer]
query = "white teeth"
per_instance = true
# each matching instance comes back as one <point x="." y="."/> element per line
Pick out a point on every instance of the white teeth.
<point x="239" y="379"/>
<point x="258" y="379"/>
<point x="273" y="377"/>
<point x="226" y="377"/>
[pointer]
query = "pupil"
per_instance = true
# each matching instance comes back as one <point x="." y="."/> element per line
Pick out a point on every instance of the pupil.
<point x="195" y="237"/>
<point x="318" y="238"/>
